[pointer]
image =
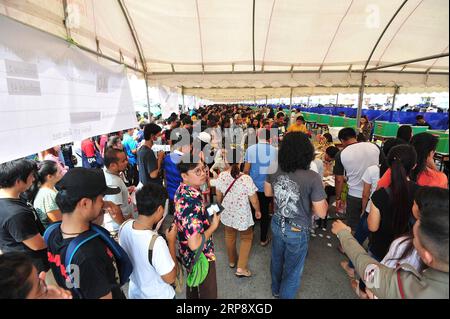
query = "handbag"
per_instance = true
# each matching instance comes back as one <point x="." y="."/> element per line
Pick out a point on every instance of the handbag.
<point x="229" y="187"/>
<point x="199" y="270"/>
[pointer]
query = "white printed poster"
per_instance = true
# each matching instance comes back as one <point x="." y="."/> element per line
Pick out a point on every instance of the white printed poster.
<point x="169" y="101"/>
<point x="53" y="93"/>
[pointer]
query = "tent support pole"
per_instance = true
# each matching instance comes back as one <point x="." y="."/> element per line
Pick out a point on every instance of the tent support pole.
<point x="183" y="107"/>
<point x="290" y="100"/>
<point x="66" y="16"/>
<point x="393" y="102"/>
<point x="253" y="36"/>
<point x="360" y="99"/>
<point x="337" y="100"/>
<point x="363" y="77"/>
<point x="150" y="115"/>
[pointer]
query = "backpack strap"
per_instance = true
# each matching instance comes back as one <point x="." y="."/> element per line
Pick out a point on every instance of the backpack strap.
<point x="150" y="248"/>
<point x="198" y="251"/>
<point x="72" y="249"/>
<point x="49" y="231"/>
<point x="107" y="239"/>
<point x="131" y="220"/>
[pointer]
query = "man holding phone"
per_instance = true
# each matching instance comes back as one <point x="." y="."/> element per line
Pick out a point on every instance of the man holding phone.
<point x="149" y="165"/>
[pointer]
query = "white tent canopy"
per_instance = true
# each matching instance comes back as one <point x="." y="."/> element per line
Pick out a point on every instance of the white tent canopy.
<point x="216" y="48"/>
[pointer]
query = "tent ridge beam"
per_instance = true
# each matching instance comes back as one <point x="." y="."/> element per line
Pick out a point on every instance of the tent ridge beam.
<point x="101" y="55"/>
<point x="382" y="33"/>
<point x="297" y="71"/>
<point x="81" y="47"/>
<point x="396" y="32"/>
<point x="133" y="32"/>
<point x="431" y="57"/>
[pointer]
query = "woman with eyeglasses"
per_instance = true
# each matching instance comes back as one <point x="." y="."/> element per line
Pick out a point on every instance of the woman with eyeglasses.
<point x="194" y="227"/>
<point x="19" y="279"/>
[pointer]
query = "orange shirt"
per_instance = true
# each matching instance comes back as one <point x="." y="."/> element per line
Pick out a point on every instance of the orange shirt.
<point x="428" y="177"/>
<point x="298" y="128"/>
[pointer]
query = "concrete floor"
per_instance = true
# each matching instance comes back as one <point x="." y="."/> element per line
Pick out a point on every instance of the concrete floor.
<point x="323" y="278"/>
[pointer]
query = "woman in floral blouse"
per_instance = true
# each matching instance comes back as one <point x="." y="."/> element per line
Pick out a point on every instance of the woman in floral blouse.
<point x="192" y="222"/>
<point x="237" y="215"/>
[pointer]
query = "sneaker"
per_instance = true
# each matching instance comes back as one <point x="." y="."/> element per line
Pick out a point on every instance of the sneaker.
<point x="350" y="272"/>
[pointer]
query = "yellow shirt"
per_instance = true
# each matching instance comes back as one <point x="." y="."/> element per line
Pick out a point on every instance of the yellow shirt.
<point x="298" y="128"/>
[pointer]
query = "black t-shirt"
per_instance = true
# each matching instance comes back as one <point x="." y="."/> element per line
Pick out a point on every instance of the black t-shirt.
<point x="384" y="236"/>
<point x="97" y="273"/>
<point x="423" y="124"/>
<point x="147" y="163"/>
<point x="18" y="222"/>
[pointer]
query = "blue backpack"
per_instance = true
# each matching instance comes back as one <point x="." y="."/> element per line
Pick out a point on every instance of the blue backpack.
<point x="124" y="265"/>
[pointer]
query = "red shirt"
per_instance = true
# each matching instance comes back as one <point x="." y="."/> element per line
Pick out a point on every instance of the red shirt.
<point x="88" y="148"/>
<point x="428" y="177"/>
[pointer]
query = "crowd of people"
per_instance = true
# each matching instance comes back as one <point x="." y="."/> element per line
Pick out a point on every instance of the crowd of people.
<point x="85" y="218"/>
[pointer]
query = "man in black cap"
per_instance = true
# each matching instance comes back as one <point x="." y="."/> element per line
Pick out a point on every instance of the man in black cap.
<point x="80" y="199"/>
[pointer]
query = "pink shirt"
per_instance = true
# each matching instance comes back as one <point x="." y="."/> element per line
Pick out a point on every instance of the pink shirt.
<point x="50" y="157"/>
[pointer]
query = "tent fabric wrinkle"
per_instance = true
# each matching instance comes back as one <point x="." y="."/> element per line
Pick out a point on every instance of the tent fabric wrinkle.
<point x="297" y="43"/>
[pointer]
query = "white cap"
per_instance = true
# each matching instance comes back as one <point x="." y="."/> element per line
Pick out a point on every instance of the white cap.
<point x="204" y="137"/>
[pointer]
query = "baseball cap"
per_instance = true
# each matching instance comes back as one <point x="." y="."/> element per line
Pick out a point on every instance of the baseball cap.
<point x="82" y="182"/>
<point x="204" y="137"/>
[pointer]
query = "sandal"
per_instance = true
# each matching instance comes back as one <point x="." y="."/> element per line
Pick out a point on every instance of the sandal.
<point x="265" y="243"/>
<point x="350" y="272"/>
<point x="247" y="273"/>
<point x="232" y="265"/>
<point x="359" y="293"/>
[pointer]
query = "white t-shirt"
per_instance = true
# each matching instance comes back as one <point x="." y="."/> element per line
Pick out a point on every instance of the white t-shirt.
<point x="317" y="166"/>
<point x="396" y="249"/>
<point x="145" y="280"/>
<point x="371" y="176"/>
<point x="353" y="162"/>
<point x="120" y="199"/>
<point x="237" y="212"/>
<point x="76" y="150"/>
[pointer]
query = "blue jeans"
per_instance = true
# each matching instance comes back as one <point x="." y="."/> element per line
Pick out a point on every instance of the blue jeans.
<point x="289" y="251"/>
<point x="361" y="234"/>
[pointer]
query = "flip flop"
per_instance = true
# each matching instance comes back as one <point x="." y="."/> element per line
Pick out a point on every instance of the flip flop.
<point x="265" y="243"/>
<point x="246" y="273"/>
<point x="359" y="293"/>
<point x="232" y="265"/>
<point x="350" y="272"/>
